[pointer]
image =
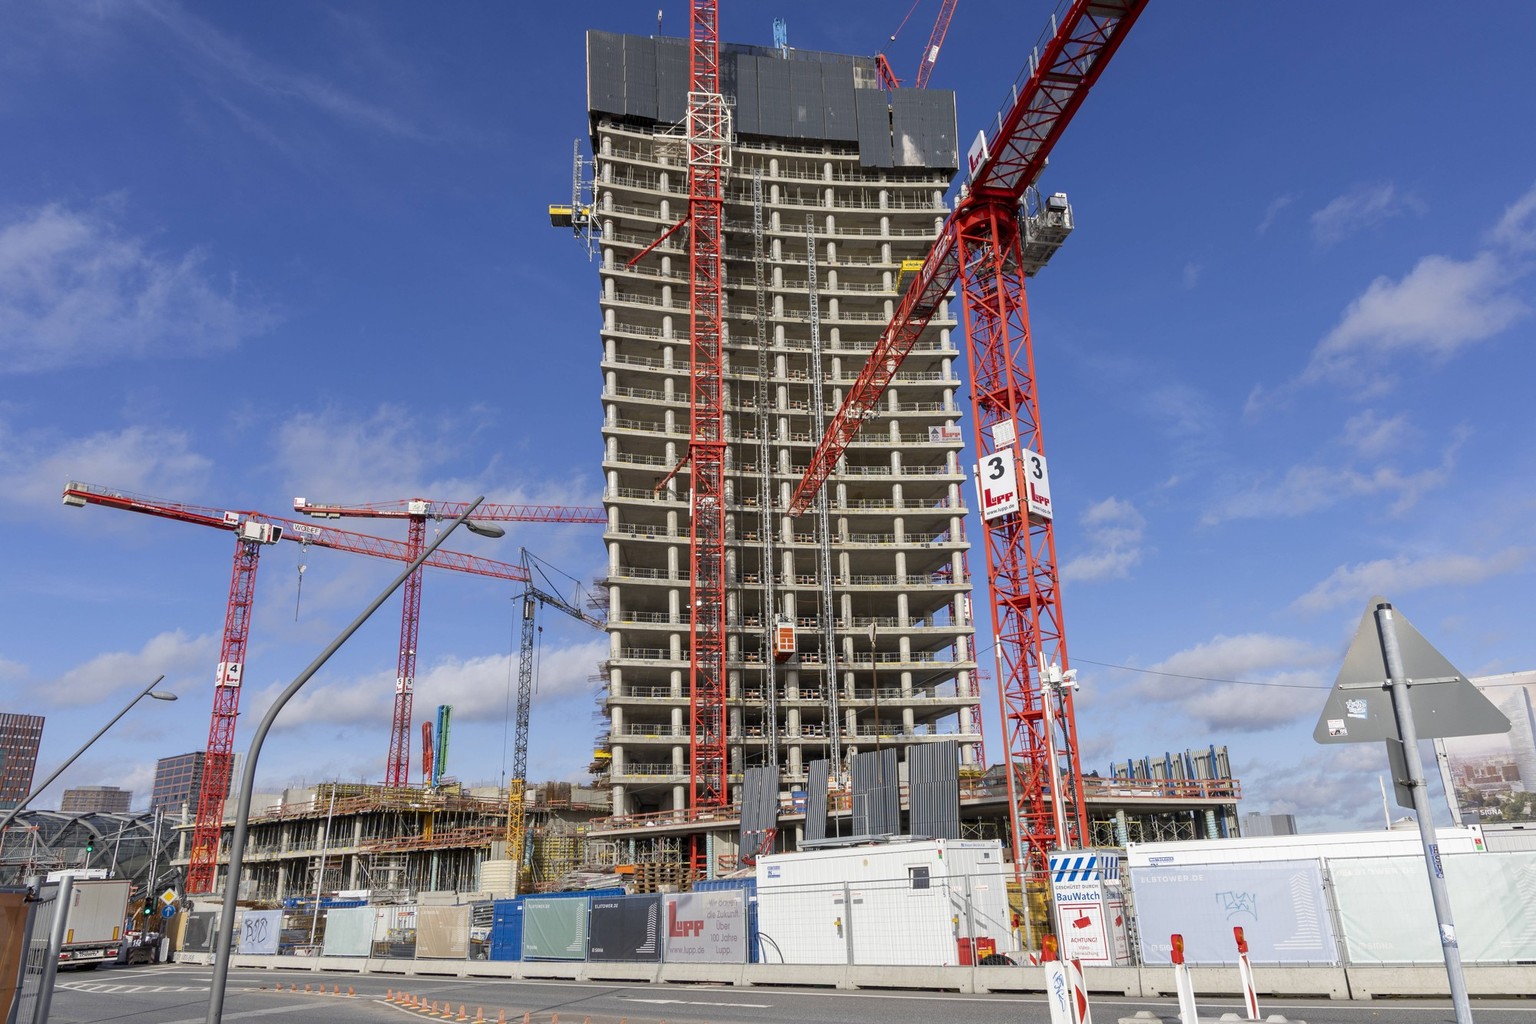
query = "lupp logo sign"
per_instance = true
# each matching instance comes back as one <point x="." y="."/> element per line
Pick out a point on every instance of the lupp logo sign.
<point x="686" y="929"/>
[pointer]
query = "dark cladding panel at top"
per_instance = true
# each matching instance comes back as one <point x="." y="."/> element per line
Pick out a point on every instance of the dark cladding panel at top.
<point x="773" y="97"/>
<point x="805" y="101"/>
<point x="672" y="80"/>
<point x="804" y="96"/>
<point x="923" y="128"/>
<point x="874" y="128"/>
<point x="605" y="72"/>
<point x="744" y="76"/>
<point x="640" y="77"/>
<point x="837" y="93"/>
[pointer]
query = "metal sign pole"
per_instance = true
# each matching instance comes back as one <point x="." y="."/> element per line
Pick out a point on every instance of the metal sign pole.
<point x="50" y="972"/>
<point x="1401" y="708"/>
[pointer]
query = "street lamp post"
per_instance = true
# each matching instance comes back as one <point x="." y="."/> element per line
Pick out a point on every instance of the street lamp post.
<point x="248" y="781"/>
<point x="148" y="691"/>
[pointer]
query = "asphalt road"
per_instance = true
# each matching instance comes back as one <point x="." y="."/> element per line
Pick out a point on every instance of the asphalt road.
<point x="178" y="994"/>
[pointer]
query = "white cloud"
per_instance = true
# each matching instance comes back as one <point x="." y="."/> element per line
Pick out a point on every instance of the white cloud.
<point x="1114" y="530"/>
<point x="1273" y="211"/>
<point x="34" y="467"/>
<point x="1192" y="274"/>
<point x="1349" y="584"/>
<point x="1293" y="670"/>
<point x="1516" y="229"/>
<point x="1372" y="437"/>
<point x="1362" y="208"/>
<point x="173" y="654"/>
<point x="1441" y="306"/>
<point x="389" y="453"/>
<point x="1330" y="788"/>
<point x="75" y="290"/>
<point x="1308" y="488"/>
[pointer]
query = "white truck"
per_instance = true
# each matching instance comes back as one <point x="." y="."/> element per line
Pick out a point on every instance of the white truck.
<point x="93" y="931"/>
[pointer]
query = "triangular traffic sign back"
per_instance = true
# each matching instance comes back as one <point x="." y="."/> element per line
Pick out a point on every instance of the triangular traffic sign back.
<point x="1444" y="702"/>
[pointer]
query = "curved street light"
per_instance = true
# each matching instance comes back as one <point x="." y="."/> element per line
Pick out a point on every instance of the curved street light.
<point x="148" y="691"/>
<point x="226" y="926"/>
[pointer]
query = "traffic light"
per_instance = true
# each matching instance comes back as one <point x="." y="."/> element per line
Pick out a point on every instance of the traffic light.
<point x="90" y="846"/>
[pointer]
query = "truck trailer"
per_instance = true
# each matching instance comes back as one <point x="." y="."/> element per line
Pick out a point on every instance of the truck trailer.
<point x="93" y="931"/>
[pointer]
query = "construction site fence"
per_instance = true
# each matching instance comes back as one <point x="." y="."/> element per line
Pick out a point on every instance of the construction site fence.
<point x="1335" y="911"/>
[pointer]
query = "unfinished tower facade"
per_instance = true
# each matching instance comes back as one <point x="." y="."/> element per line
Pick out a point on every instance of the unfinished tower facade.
<point x="849" y="628"/>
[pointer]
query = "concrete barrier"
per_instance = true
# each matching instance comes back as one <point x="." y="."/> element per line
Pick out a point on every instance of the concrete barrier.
<point x="1277" y="980"/>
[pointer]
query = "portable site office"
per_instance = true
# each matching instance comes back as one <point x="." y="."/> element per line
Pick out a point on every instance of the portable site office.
<point x="933" y="902"/>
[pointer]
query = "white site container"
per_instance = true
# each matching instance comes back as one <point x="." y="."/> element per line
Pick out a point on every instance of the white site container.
<point x="891" y="903"/>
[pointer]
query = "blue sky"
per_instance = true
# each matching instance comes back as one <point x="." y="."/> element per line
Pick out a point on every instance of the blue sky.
<point x="249" y="252"/>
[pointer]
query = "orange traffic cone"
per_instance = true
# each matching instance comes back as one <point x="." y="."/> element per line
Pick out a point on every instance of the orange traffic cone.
<point x="462" y="1015"/>
<point x="479" y="1015"/>
<point x="351" y="991"/>
<point x="501" y="1018"/>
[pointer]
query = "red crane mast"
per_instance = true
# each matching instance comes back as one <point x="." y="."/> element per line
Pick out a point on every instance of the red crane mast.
<point x="416" y="512"/>
<point x="253" y="530"/>
<point x="708" y="128"/>
<point x="981" y="247"/>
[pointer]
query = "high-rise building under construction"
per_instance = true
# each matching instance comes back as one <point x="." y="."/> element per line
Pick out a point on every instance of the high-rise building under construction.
<point x="847" y="629"/>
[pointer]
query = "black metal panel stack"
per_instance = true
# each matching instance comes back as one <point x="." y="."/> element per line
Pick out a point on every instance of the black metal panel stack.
<point x="816" y="800"/>
<point x="933" y="782"/>
<point x="876" y="793"/>
<point x="759" y="807"/>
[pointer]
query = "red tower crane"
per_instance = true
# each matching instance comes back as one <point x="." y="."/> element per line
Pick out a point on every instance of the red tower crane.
<point x="252" y="530"/>
<point x="416" y="512"/>
<point x="984" y="247"/>
<point x="708" y="129"/>
<point x="887" y="74"/>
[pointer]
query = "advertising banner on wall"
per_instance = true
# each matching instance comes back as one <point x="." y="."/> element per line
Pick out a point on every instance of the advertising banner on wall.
<point x="1387" y="916"/>
<point x="258" y="931"/>
<point x="1493" y="778"/>
<point x="706" y="927"/>
<point x="348" y="931"/>
<point x="442" y="932"/>
<point x="625" y="928"/>
<point x="1278" y="904"/>
<point x="198" y="936"/>
<point x="554" y="929"/>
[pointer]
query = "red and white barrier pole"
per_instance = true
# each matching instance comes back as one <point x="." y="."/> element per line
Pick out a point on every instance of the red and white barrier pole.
<point x="1065" y="992"/>
<point x="1058" y="987"/>
<point x="1245" y="972"/>
<point x="1182" y="982"/>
